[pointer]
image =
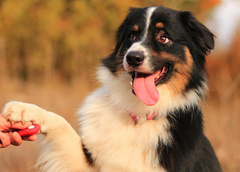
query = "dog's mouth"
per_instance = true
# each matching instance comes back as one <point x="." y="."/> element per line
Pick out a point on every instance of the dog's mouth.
<point x="144" y="86"/>
<point x="159" y="76"/>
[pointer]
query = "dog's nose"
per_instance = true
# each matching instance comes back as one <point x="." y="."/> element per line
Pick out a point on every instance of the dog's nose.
<point x="135" y="58"/>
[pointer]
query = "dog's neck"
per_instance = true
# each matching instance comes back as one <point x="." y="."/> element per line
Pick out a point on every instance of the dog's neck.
<point x="149" y="116"/>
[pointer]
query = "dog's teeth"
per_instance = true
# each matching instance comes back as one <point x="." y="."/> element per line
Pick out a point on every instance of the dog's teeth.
<point x="131" y="83"/>
<point x="12" y="122"/>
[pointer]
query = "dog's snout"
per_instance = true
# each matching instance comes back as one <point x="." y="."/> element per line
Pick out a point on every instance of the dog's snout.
<point x="135" y="58"/>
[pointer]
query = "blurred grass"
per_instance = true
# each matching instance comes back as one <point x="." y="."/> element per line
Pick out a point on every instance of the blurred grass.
<point x="49" y="50"/>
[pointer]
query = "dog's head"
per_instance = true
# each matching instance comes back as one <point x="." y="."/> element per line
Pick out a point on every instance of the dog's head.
<point x="160" y="46"/>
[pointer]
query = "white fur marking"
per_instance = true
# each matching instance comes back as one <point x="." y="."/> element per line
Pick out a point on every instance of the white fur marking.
<point x="145" y="67"/>
<point x="148" y="17"/>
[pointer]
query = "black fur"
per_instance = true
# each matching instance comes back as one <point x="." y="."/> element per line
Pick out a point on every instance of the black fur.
<point x="201" y="42"/>
<point x="115" y="60"/>
<point x="88" y="155"/>
<point x="181" y="27"/>
<point x="190" y="151"/>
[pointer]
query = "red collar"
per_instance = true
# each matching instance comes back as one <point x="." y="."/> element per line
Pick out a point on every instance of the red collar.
<point x="148" y="116"/>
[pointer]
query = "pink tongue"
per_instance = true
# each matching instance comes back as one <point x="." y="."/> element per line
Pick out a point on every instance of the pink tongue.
<point x="145" y="88"/>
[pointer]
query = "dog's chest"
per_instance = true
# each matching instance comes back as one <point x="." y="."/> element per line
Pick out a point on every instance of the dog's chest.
<point x="117" y="144"/>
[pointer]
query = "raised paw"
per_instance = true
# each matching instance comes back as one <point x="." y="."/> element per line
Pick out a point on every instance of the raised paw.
<point x="23" y="112"/>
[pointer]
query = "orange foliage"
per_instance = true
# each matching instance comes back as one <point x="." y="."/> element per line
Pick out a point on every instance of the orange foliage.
<point x="44" y="40"/>
<point x="208" y="4"/>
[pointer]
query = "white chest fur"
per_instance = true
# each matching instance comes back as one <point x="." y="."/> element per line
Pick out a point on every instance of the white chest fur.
<point x="115" y="142"/>
<point x="107" y="130"/>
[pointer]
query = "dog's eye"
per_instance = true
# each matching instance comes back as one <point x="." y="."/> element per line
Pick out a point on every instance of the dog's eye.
<point x="163" y="39"/>
<point x="132" y="37"/>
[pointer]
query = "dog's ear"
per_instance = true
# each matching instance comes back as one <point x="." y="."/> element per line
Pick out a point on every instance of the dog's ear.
<point x="200" y="34"/>
<point x="122" y="29"/>
<point x="113" y="62"/>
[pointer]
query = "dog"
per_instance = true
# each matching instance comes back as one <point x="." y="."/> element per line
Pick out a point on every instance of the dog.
<point x="146" y="116"/>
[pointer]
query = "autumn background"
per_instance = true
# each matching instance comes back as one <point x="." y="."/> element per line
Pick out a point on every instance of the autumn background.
<point x="49" y="50"/>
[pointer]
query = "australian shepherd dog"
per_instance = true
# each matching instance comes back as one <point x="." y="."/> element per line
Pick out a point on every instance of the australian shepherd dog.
<point x="146" y="116"/>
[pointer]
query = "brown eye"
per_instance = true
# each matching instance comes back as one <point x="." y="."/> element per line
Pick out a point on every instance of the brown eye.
<point x="164" y="39"/>
<point x="132" y="37"/>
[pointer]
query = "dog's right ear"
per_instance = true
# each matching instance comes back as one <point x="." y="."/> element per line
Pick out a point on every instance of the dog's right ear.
<point x="122" y="29"/>
<point x="114" y="62"/>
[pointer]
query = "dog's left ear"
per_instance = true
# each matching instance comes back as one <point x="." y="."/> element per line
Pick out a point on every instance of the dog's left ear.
<point x="200" y="35"/>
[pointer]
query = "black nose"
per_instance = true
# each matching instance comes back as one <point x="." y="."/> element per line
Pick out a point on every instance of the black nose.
<point x="135" y="58"/>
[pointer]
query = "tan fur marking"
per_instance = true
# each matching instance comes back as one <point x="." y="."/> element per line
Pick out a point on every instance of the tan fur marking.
<point x="135" y="27"/>
<point x="182" y="74"/>
<point x="164" y="55"/>
<point x="182" y="71"/>
<point x="160" y="25"/>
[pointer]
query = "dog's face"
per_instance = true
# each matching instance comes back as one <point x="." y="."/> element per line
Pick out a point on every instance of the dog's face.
<point x="156" y="46"/>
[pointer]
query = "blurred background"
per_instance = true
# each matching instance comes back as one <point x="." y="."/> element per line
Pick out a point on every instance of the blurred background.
<point x="49" y="50"/>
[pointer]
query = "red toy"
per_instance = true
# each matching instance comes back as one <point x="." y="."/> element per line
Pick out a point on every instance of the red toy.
<point x="33" y="129"/>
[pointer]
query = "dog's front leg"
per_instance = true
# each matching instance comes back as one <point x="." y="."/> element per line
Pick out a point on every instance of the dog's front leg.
<point x="63" y="149"/>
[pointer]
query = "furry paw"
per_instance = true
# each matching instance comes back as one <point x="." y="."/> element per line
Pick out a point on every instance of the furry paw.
<point x="23" y="112"/>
